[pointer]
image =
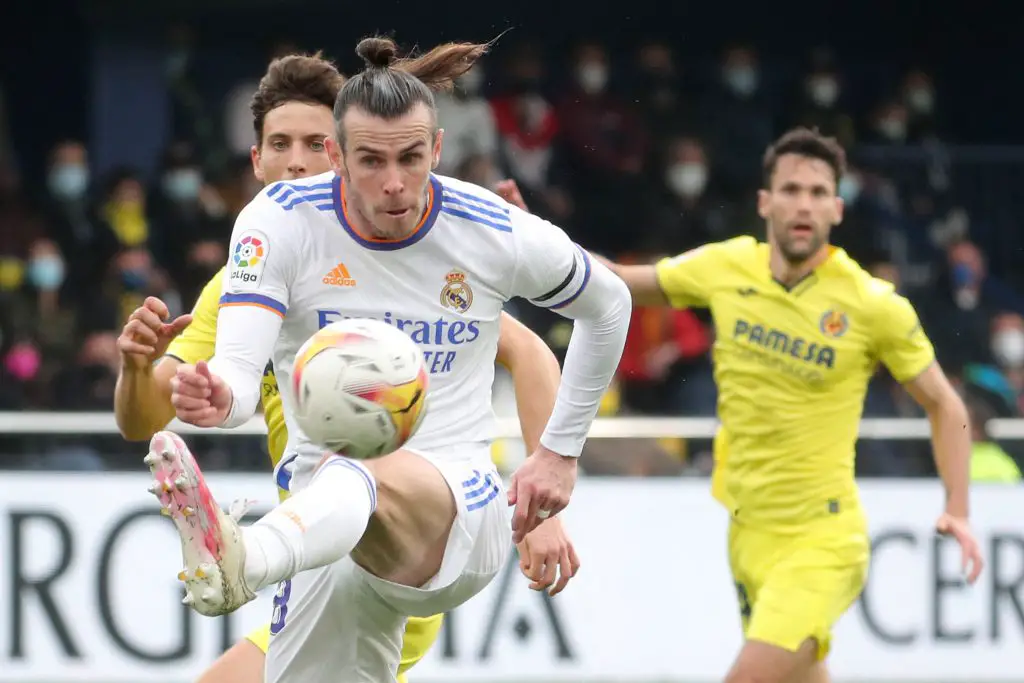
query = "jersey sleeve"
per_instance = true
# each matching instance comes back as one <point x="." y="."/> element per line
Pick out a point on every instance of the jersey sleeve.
<point x="554" y="273"/>
<point x="263" y="261"/>
<point x="199" y="339"/>
<point x="686" y="279"/>
<point x="902" y="345"/>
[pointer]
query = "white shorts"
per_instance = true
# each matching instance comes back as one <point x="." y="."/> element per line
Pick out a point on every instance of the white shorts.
<point x="342" y="623"/>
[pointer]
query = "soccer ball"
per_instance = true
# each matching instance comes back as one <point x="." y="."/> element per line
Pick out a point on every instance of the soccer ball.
<point x="360" y="388"/>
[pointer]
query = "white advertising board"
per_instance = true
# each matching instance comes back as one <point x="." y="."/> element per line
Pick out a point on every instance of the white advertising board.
<point x="88" y="591"/>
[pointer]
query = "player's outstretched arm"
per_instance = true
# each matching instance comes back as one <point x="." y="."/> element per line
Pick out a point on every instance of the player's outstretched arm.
<point x="142" y="396"/>
<point x="253" y="303"/>
<point x="641" y="280"/>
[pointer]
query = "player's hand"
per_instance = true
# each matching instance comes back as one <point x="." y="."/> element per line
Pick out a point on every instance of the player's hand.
<point x="145" y="337"/>
<point x="546" y="554"/>
<point x="509" y="191"/>
<point x="200" y="397"/>
<point x="539" y="489"/>
<point x="970" y="553"/>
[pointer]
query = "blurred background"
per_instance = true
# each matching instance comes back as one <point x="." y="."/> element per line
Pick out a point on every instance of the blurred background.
<point x="124" y="157"/>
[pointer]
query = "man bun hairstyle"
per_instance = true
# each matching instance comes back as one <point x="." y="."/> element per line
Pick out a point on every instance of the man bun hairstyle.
<point x="391" y="85"/>
<point x="377" y="53"/>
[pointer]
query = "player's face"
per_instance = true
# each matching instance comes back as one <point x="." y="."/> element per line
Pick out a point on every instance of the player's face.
<point x="293" y="142"/>
<point x="800" y="206"/>
<point x="386" y="166"/>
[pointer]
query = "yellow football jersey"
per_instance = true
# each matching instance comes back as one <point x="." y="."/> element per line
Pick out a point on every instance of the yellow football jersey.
<point x="199" y="341"/>
<point x="792" y="367"/>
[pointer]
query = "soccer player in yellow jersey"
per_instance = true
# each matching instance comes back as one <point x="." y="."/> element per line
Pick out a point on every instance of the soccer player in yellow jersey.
<point x="292" y="112"/>
<point x="799" y="330"/>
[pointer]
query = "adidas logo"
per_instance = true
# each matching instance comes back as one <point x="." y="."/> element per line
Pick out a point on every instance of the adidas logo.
<point x="339" y="277"/>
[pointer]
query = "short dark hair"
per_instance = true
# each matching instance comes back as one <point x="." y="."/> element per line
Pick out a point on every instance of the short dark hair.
<point x="804" y="142"/>
<point x="295" y="78"/>
<point x="389" y="86"/>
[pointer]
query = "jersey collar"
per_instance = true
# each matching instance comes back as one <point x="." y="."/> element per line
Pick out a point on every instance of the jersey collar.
<point x="434" y="194"/>
<point x="837" y="258"/>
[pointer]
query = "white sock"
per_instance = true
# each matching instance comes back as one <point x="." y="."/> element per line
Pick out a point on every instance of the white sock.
<point x="313" y="528"/>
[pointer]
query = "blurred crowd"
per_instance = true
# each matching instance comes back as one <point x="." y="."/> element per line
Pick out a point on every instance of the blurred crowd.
<point x="636" y="156"/>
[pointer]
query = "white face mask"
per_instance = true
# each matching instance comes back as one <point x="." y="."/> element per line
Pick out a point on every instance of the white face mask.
<point x="824" y="91"/>
<point x="742" y="79"/>
<point x="921" y="100"/>
<point x="1008" y="348"/>
<point x="894" y="129"/>
<point x="849" y="189"/>
<point x="687" y="180"/>
<point x="592" y="77"/>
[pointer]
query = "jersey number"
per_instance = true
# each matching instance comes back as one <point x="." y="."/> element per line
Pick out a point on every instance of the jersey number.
<point x="284" y="591"/>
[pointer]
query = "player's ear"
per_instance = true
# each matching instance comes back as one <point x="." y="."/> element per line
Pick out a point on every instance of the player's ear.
<point x="764" y="198"/>
<point x="257" y="163"/>
<point x="436" y="155"/>
<point x="839" y="210"/>
<point x="333" y="153"/>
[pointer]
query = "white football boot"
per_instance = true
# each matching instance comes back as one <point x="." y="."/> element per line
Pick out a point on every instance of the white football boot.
<point x="211" y="540"/>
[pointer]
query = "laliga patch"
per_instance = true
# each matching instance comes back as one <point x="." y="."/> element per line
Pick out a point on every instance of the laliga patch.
<point x="248" y="259"/>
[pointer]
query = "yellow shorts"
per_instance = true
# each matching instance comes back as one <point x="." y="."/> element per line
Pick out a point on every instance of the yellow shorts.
<point x="420" y="635"/>
<point x="792" y="587"/>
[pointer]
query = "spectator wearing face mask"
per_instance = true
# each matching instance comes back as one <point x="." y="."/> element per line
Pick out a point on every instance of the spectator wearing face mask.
<point x="468" y="122"/>
<point x="958" y="312"/>
<point x="1008" y="352"/>
<point x="888" y="125"/>
<point x="185" y="210"/>
<point x="741" y="121"/>
<point x="72" y="219"/>
<point x="689" y="212"/>
<point x="820" y="106"/>
<point x="918" y="95"/>
<point x="54" y="324"/>
<point x="606" y="150"/>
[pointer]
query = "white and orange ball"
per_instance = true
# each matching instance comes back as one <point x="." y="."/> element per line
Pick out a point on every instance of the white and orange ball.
<point x="360" y="388"/>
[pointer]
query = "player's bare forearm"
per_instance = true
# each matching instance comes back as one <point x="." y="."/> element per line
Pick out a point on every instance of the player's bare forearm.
<point x="142" y="399"/>
<point x="642" y="282"/>
<point x="951" y="434"/>
<point x="535" y="377"/>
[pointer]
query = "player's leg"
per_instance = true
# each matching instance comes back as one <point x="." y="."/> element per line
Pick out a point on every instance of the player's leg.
<point x="803" y="585"/>
<point x="244" y="662"/>
<point x="427" y="549"/>
<point x="350" y="621"/>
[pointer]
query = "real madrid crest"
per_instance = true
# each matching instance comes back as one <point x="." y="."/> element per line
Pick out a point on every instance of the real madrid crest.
<point x="834" y="323"/>
<point x="456" y="294"/>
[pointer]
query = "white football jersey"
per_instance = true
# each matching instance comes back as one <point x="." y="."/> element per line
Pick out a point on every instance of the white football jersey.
<point x="295" y="252"/>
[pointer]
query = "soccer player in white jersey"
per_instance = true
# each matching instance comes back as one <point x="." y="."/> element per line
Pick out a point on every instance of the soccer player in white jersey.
<point x="362" y="545"/>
